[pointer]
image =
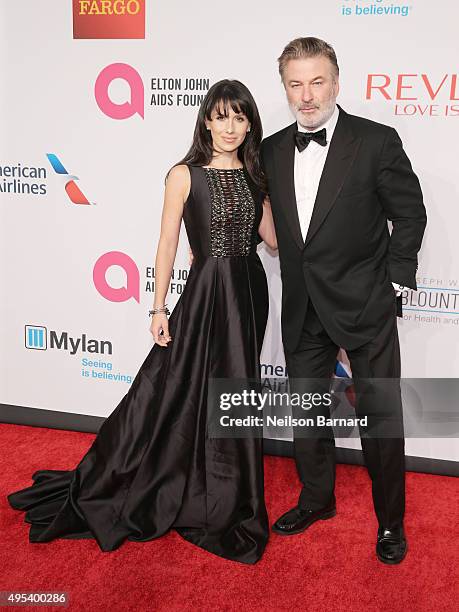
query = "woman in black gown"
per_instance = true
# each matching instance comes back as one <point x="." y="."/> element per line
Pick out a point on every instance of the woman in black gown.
<point x="152" y="466"/>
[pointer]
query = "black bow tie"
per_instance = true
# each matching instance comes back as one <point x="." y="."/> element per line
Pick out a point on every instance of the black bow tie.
<point x="302" y="139"/>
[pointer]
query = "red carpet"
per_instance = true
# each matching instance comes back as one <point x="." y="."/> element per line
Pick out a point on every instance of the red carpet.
<point x="331" y="567"/>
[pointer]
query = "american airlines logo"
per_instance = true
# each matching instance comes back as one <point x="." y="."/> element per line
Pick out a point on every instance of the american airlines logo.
<point x="38" y="338"/>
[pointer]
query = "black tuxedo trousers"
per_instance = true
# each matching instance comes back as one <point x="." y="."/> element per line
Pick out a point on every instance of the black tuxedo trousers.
<point x="310" y="368"/>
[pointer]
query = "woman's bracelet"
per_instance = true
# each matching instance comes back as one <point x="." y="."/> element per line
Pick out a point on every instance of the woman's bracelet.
<point x="158" y="310"/>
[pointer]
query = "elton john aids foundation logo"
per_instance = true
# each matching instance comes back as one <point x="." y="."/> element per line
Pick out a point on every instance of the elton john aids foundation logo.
<point x="120" y="110"/>
<point x="131" y="288"/>
<point x="120" y="91"/>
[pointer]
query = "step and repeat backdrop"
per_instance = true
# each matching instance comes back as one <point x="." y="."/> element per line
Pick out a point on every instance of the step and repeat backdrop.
<point x="98" y="99"/>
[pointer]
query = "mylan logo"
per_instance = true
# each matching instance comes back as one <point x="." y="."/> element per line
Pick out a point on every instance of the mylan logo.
<point x="36" y="337"/>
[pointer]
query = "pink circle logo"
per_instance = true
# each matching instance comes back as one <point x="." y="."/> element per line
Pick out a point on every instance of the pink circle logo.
<point x="117" y="294"/>
<point x="127" y="109"/>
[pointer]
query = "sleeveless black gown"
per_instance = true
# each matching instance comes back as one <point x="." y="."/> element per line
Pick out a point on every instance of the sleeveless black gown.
<point x="152" y="467"/>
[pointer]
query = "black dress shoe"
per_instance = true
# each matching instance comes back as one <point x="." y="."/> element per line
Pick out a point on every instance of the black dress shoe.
<point x="391" y="545"/>
<point x="298" y="519"/>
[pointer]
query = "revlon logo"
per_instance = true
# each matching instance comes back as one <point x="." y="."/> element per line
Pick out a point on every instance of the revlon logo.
<point x="431" y="93"/>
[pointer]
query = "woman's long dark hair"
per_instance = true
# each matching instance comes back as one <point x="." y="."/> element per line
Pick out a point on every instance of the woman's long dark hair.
<point x="221" y="96"/>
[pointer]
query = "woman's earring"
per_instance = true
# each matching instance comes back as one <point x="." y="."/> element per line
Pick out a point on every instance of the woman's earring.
<point x="248" y="129"/>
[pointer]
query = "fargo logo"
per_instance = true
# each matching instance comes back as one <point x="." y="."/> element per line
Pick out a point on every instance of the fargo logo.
<point x="426" y="95"/>
<point x="109" y="7"/>
<point x="131" y="288"/>
<point x="108" y="18"/>
<point x="73" y="191"/>
<point x="36" y="337"/>
<point x="124" y="110"/>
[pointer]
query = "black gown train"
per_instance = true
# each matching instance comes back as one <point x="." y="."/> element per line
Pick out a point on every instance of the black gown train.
<point x="152" y="467"/>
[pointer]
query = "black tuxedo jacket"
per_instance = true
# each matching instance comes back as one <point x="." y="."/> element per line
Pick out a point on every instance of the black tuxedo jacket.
<point x="349" y="259"/>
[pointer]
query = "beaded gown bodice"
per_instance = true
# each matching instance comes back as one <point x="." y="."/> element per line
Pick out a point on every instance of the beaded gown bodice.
<point x="232" y="212"/>
<point x="222" y="213"/>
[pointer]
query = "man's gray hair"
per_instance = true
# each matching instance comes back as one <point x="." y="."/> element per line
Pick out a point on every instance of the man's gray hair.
<point x="307" y="47"/>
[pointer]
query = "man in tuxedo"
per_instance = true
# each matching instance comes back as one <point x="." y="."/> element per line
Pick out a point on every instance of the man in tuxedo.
<point x="334" y="181"/>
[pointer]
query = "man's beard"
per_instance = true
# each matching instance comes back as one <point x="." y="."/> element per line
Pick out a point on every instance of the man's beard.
<point x="320" y="117"/>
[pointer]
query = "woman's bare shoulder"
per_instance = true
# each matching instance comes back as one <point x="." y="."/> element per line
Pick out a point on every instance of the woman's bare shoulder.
<point x="179" y="174"/>
<point x="179" y="181"/>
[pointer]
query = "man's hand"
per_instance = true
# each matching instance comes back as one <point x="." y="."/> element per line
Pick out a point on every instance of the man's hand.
<point x="191" y="255"/>
<point x="398" y="289"/>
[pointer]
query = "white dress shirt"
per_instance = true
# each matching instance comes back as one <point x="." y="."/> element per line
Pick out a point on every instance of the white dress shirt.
<point x="309" y="165"/>
<point x="308" y="168"/>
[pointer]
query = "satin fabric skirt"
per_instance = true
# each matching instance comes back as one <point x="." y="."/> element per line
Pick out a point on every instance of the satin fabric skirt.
<point x="152" y="466"/>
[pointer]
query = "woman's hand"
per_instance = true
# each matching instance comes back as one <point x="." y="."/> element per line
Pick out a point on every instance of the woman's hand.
<point x="266" y="228"/>
<point x="159" y="323"/>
